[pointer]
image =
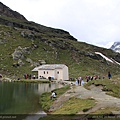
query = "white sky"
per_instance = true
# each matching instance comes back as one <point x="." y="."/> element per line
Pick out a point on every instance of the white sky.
<point x="96" y="22"/>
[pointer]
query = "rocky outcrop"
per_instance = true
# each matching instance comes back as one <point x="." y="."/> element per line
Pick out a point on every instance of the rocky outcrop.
<point x="20" y="52"/>
<point x="3" y="41"/>
<point x="116" y="47"/>
<point x="35" y="64"/>
<point x="6" y="11"/>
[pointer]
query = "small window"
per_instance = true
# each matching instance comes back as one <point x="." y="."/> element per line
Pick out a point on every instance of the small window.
<point x="47" y="72"/>
<point x="57" y="72"/>
<point x="44" y="72"/>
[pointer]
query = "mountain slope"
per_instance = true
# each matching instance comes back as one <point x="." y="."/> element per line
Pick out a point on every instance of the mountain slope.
<point x="25" y="45"/>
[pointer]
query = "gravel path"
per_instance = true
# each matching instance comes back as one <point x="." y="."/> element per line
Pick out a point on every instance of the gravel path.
<point x="103" y="100"/>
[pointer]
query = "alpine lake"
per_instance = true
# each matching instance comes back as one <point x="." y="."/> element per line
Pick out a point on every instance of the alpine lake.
<point x="17" y="98"/>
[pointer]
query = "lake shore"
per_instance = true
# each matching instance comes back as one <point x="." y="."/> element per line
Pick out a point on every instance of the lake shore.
<point x="5" y="79"/>
<point x="104" y="104"/>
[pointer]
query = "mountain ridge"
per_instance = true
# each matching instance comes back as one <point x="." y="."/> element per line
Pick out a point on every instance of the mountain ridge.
<point x="25" y="45"/>
<point x="6" y="11"/>
<point x="116" y="47"/>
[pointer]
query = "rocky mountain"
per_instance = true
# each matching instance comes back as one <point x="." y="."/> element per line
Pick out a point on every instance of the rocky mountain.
<point x="6" y="11"/>
<point x="25" y="45"/>
<point x="116" y="47"/>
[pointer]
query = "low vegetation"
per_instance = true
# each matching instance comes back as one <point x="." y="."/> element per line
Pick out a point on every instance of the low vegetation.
<point x="111" y="86"/>
<point x="70" y="109"/>
<point x="75" y="105"/>
<point x="106" y="110"/>
<point x="45" y="97"/>
<point x="33" y="81"/>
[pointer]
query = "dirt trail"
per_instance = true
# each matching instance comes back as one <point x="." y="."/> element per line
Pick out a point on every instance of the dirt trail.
<point x="103" y="100"/>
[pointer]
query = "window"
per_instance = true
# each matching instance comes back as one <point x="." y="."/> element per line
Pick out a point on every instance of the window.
<point x="44" y="72"/>
<point x="47" y="72"/>
<point x="57" y="72"/>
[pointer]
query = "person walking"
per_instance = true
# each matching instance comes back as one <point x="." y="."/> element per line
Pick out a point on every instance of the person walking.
<point x="109" y="75"/>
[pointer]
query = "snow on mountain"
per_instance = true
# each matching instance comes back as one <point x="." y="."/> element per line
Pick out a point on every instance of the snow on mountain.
<point x="108" y="59"/>
<point x="116" y="47"/>
<point x="115" y="61"/>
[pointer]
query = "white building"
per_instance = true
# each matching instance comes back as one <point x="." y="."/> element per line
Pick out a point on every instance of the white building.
<point x="56" y="71"/>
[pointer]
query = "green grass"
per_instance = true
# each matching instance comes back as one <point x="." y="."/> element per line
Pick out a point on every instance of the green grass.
<point x="106" y="110"/>
<point x="75" y="105"/>
<point x="70" y="109"/>
<point x="33" y="81"/>
<point x="56" y="49"/>
<point x="45" y="97"/>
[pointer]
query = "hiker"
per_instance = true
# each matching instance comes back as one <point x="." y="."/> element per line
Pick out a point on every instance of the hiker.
<point x="29" y="76"/>
<point x="87" y="78"/>
<point x="82" y="82"/>
<point x="80" y="79"/>
<point x="76" y="81"/>
<point x="109" y="75"/>
<point x="53" y="95"/>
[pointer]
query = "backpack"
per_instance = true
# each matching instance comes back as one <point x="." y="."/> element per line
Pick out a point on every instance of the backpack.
<point x="55" y="93"/>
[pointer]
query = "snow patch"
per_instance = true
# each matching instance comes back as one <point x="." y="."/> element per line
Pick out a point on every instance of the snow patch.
<point x="116" y="61"/>
<point x="106" y="58"/>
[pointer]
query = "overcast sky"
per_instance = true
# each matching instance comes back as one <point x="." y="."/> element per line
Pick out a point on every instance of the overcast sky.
<point x="95" y="22"/>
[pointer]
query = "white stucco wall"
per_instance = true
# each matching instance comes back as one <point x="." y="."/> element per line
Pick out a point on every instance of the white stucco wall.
<point x="65" y="73"/>
<point x="46" y="73"/>
<point x="58" y="74"/>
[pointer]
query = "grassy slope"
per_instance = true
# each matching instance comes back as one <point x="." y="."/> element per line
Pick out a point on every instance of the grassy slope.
<point x="46" y="97"/>
<point x="69" y="52"/>
<point x="70" y="107"/>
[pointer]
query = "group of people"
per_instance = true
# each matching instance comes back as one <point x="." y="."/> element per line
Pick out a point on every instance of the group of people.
<point x="95" y="77"/>
<point x="79" y="81"/>
<point x="29" y="76"/>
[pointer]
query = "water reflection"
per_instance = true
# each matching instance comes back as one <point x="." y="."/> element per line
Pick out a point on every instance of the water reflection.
<point x="22" y="97"/>
<point x="47" y="87"/>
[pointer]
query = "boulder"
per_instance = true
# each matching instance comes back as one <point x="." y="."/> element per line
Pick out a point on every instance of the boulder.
<point x="20" y="62"/>
<point x="29" y="60"/>
<point x="18" y="54"/>
<point x="41" y="62"/>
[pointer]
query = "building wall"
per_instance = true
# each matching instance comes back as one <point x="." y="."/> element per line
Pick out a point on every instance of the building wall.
<point x="58" y="74"/>
<point x="46" y="73"/>
<point x="65" y="73"/>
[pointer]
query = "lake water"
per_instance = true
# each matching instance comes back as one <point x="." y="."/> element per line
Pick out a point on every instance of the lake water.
<point x="22" y="98"/>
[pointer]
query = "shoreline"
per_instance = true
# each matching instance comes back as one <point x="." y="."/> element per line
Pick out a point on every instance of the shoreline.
<point x="36" y="116"/>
